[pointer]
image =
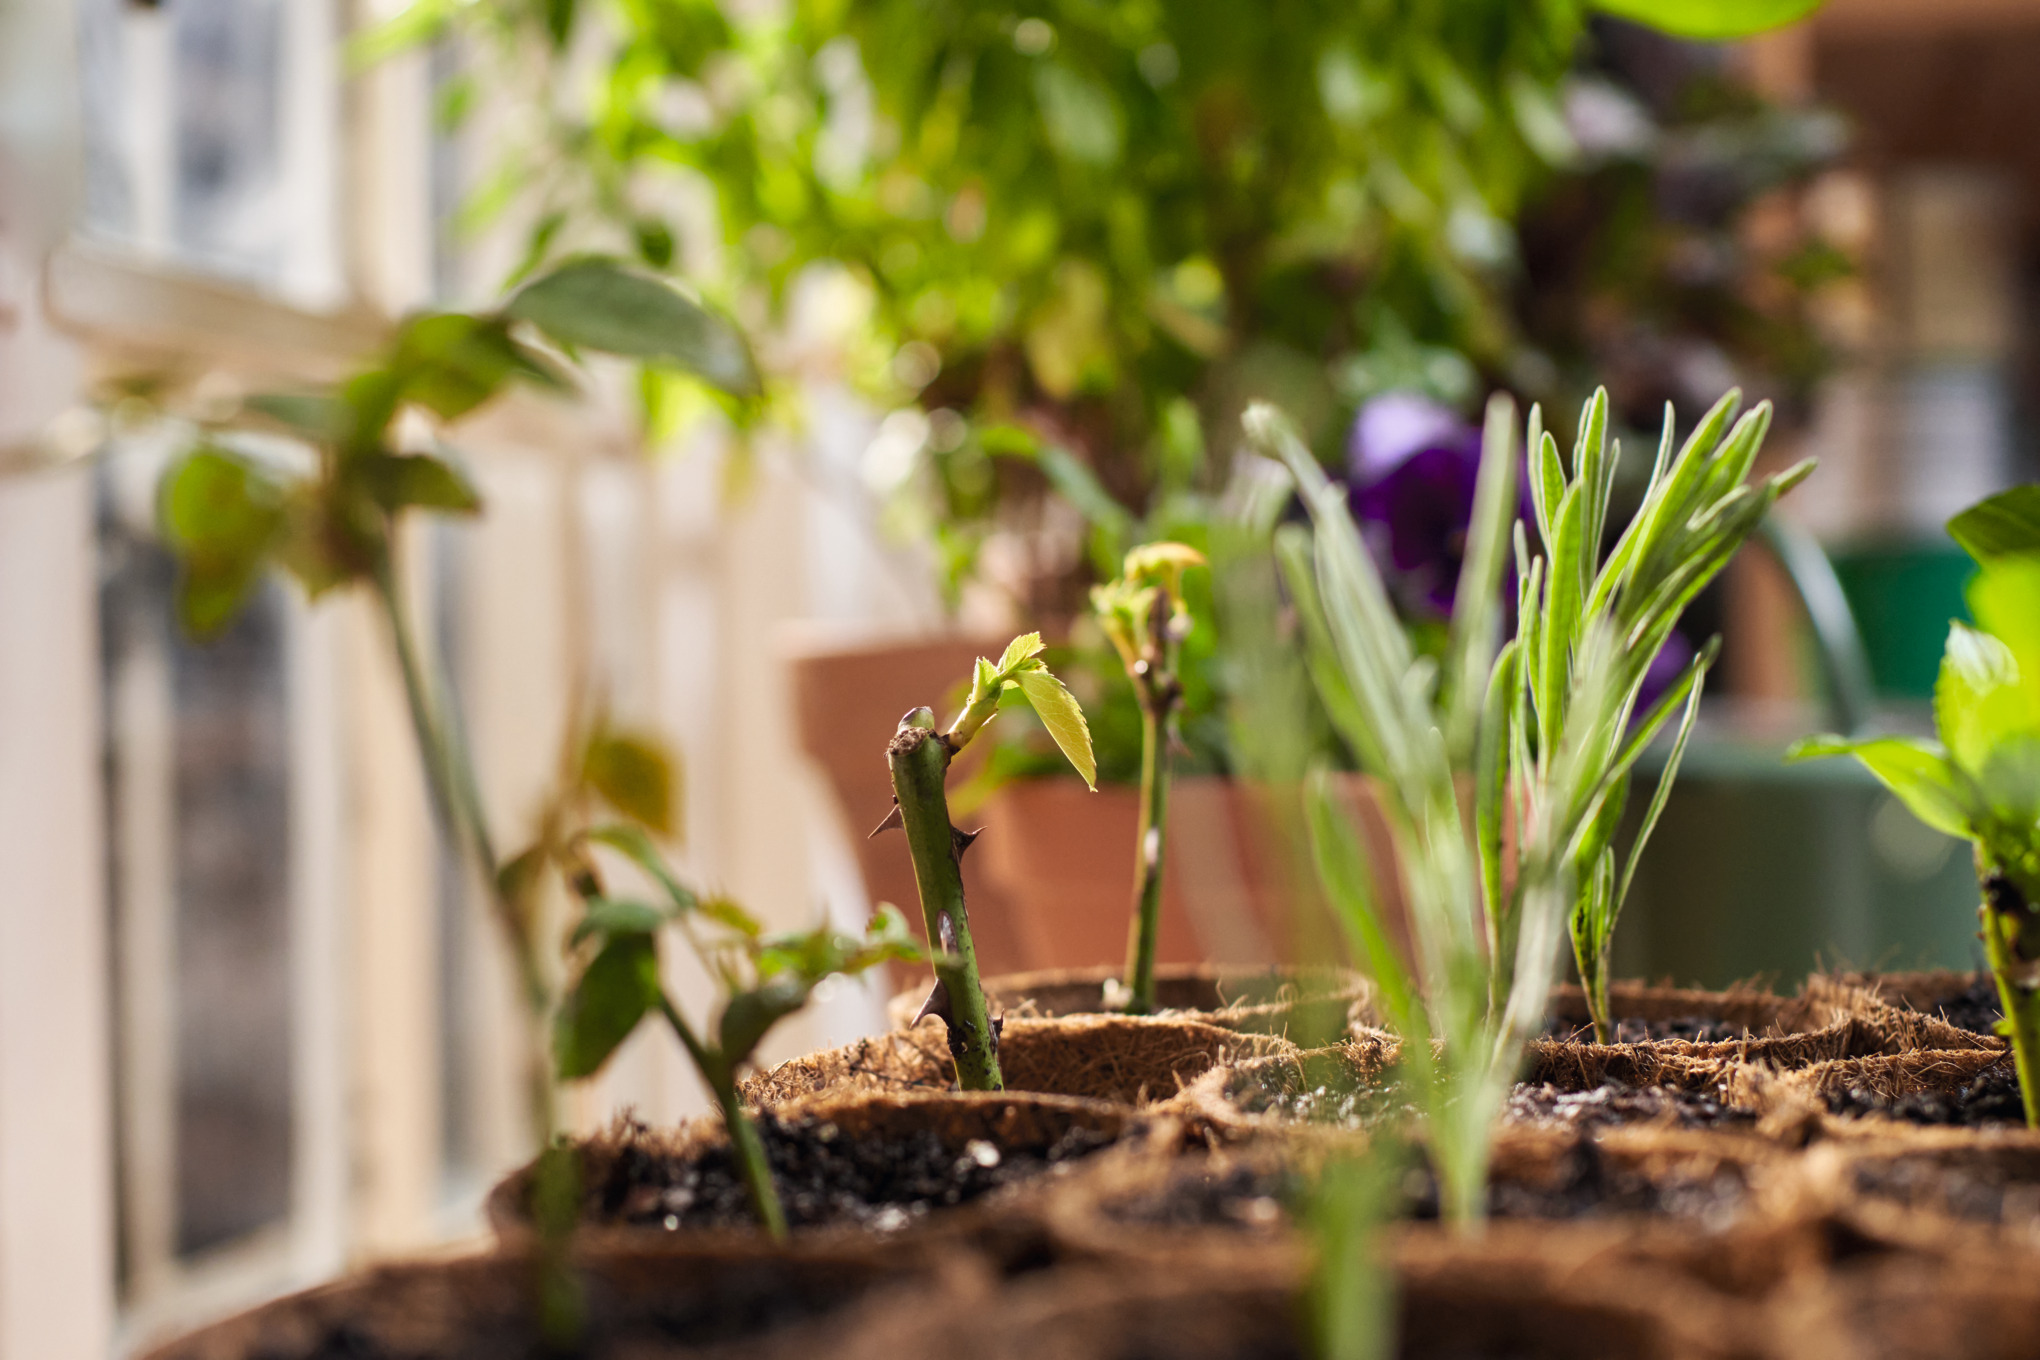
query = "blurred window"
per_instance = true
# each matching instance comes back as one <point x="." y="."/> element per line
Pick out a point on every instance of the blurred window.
<point x="211" y="134"/>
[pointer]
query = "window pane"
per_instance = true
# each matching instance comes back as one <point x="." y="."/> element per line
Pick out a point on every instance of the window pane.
<point x="197" y="766"/>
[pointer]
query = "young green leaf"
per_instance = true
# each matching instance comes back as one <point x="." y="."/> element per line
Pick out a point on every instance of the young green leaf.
<point x="636" y="844"/>
<point x="619" y="985"/>
<point x="634" y="775"/>
<point x="606" y="917"/>
<point x="222" y="517"/>
<point x="603" y="304"/>
<point x="2003" y="525"/>
<point x="1918" y="772"/>
<point x="399" y="480"/>
<point x="1064" y="718"/>
<point x="1979" y="701"/>
<point x="1710" y="20"/>
<point x="1018" y="650"/>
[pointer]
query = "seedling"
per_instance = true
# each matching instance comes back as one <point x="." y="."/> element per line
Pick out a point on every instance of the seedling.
<point x="1981" y="779"/>
<point x="230" y="514"/>
<point x="1547" y="716"/>
<point x="760" y="978"/>
<point x="919" y="757"/>
<point x="1144" y="614"/>
<point x="1589" y="631"/>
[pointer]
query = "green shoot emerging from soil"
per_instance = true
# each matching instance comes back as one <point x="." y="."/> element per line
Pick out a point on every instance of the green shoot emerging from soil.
<point x="1981" y="779"/>
<point x="919" y="757"/>
<point x="1563" y="710"/>
<point x="761" y="978"/>
<point x="1547" y="719"/>
<point x="1144" y="614"/>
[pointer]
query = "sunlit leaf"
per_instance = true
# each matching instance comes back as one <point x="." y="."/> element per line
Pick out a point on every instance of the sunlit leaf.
<point x="620" y="984"/>
<point x="1710" y="20"/>
<point x="1979" y="701"/>
<point x="604" y="305"/>
<point x="1064" y="718"/>
<point x="1019" y="650"/>
<point x="2000" y="526"/>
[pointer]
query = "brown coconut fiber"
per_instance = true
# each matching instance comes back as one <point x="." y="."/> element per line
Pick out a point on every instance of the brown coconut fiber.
<point x="1134" y="1060"/>
<point x="1312" y="1006"/>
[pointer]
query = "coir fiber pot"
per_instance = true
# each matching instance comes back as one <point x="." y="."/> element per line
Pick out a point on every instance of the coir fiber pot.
<point x="1131" y="1060"/>
<point x="844" y="1165"/>
<point x="644" y="1302"/>
<point x="1312" y="1006"/>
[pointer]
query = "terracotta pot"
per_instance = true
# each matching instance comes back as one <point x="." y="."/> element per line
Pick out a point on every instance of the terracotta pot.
<point x="1061" y="859"/>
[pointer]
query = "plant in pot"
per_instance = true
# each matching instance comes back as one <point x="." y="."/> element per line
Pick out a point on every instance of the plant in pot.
<point x="1548" y="716"/>
<point x="1979" y="778"/>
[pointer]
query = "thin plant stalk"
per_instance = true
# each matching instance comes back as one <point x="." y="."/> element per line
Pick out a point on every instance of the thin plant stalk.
<point x="745" y="1144"/>
<point x="449" y="770"/>
<point x="1161" y="692"/>
<point x="919" y="758"/>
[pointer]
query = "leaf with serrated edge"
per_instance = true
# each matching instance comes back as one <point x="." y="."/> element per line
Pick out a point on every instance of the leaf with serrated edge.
<point x="1064" y="718"/>
<point x="1018" y="650"/>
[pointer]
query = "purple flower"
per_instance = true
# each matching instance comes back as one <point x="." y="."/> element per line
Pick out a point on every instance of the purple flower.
<point x="1411" y="469"/>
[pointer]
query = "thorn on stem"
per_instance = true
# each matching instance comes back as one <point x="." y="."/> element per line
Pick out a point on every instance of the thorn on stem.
<point x="892" y="819"/>
<point x="963" y="840"/>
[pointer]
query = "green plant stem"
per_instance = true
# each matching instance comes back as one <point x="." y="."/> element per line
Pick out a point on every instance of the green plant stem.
<point x="2020" y="999"/>
<point x="1147" y="862"/>
<point x="449" y="771"/>
<point x="919" y="759"/>
<point x="745" y="1143"/>
<point x="1592" y="962"/>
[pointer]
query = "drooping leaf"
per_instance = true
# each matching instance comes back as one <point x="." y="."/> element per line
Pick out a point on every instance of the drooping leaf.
<point x="1918" y="772"/>
<point x="749" y="1015"/>
<point x="603" y="304"/>
<point x="450" y="362"/>
<point x="1710" y="20"/>
<point x="221" y="516"/>
<point x="609" y="916"/>
<point x="2003" y="525"/>
<point x="620" y="984"/>
<point x="730" y="914"/>
<point x="634" y="775"/>
<point x="1064" y="718"/>
<point x="636" y="845"/>
<point x="397" y="481"/>
<point x="308" y="414"/>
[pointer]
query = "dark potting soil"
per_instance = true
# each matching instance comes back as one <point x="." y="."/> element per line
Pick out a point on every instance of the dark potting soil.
<point x="1587" y="1185"/>
<point x="1613" y="1103"/>
<point x="1976" y="1008"/>
<point x="1992" y="1098"/>
<point x="823" y="1176"/>
<point x="1697" y="1029"/>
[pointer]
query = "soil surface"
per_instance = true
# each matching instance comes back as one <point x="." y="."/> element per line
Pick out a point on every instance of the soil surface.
<point x="1982" y="1193"/>
<point x="1992" y="1098"/>
<point x="823" y="1176"/>
<point x="1614" y="1103"/>
<point x="1977" y="1009"/>
<point x="1698" y="1029"/>
<point x="1587" y="1184"/>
